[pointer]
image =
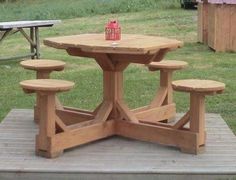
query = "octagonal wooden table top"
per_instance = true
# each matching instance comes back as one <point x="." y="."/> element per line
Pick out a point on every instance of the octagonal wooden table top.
<point x="129" y="43"/>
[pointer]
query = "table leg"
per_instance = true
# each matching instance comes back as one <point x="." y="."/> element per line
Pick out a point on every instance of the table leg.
<point x="32" y="47"/>
<point x="197" y="121"/>
<point x="39" y="75"/>
<point x="113" y="89"/>
<point x="37" y="42"/>
<point x="4" y="35"/>
<point x="113" y="92"/>
<point x="47" y="127"/>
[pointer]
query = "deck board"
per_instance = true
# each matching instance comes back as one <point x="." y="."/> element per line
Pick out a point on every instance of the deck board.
<point x="114" y="158"/>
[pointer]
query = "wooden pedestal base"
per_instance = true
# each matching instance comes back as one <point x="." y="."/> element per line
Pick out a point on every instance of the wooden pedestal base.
<point x="83" y="129"/>
<point x="63" y="127"/>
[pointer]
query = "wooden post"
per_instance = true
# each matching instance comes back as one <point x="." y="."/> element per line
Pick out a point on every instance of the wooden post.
<point x="47" y="125"/>
<point x="32" y="47"/>
<point x="39" y="75"/>
<point x="165" y="81"/>
<point x="197" y="121"/>
<point x="113" y="89"/>
<point x="197" y="115"/>
<point x="37" y="42"/>
<point x="203" y="22"/>
<point x="43" y="74"/>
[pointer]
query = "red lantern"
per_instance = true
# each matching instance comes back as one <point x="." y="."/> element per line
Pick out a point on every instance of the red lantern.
<point x="112" y="30"/>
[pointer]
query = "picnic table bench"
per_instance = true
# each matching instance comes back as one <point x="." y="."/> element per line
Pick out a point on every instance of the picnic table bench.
<point x="9" y="28"/>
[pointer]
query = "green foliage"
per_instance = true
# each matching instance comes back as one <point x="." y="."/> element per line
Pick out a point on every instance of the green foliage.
<point x="7" y="1"/>
<point x="61" y="9"/>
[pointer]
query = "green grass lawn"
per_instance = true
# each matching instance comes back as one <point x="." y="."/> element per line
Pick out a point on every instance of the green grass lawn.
<point x="44" y="9"/>
<point x="140" y="84"/>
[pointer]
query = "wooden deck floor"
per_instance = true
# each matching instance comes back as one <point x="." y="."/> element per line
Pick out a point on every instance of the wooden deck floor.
<point x="114" y="158"/>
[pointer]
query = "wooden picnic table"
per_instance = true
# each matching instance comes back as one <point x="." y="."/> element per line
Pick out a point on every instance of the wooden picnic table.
<point x="113" y="116"/>
<point x="9" y="28"/>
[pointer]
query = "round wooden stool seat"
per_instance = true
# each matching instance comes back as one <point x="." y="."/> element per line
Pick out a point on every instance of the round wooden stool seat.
<point x="167" y="65"/>
<point x="53" y="85"/>
<point x="43" y="65"/>
<point x="200" y="86"/>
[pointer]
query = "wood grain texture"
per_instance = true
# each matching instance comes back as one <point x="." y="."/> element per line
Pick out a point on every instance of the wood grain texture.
<point x="70" y="117"/>
<point x="47" y="85"/>
<point x="159" y="97"/>
<point x="196" y="85"/>
<point x="129" y="43"/>
<point x="157" y="113"/>
<point x="43" y="64"/>
<point x="167" y="65"/>
<point x="216" y="25"/>
<point x="203" y="22"/>
<point x="197" y="116"/>
<point x="109" y="157"/>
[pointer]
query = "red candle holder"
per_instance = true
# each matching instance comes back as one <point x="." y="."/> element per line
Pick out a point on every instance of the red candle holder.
<point x="113" y="30"/>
